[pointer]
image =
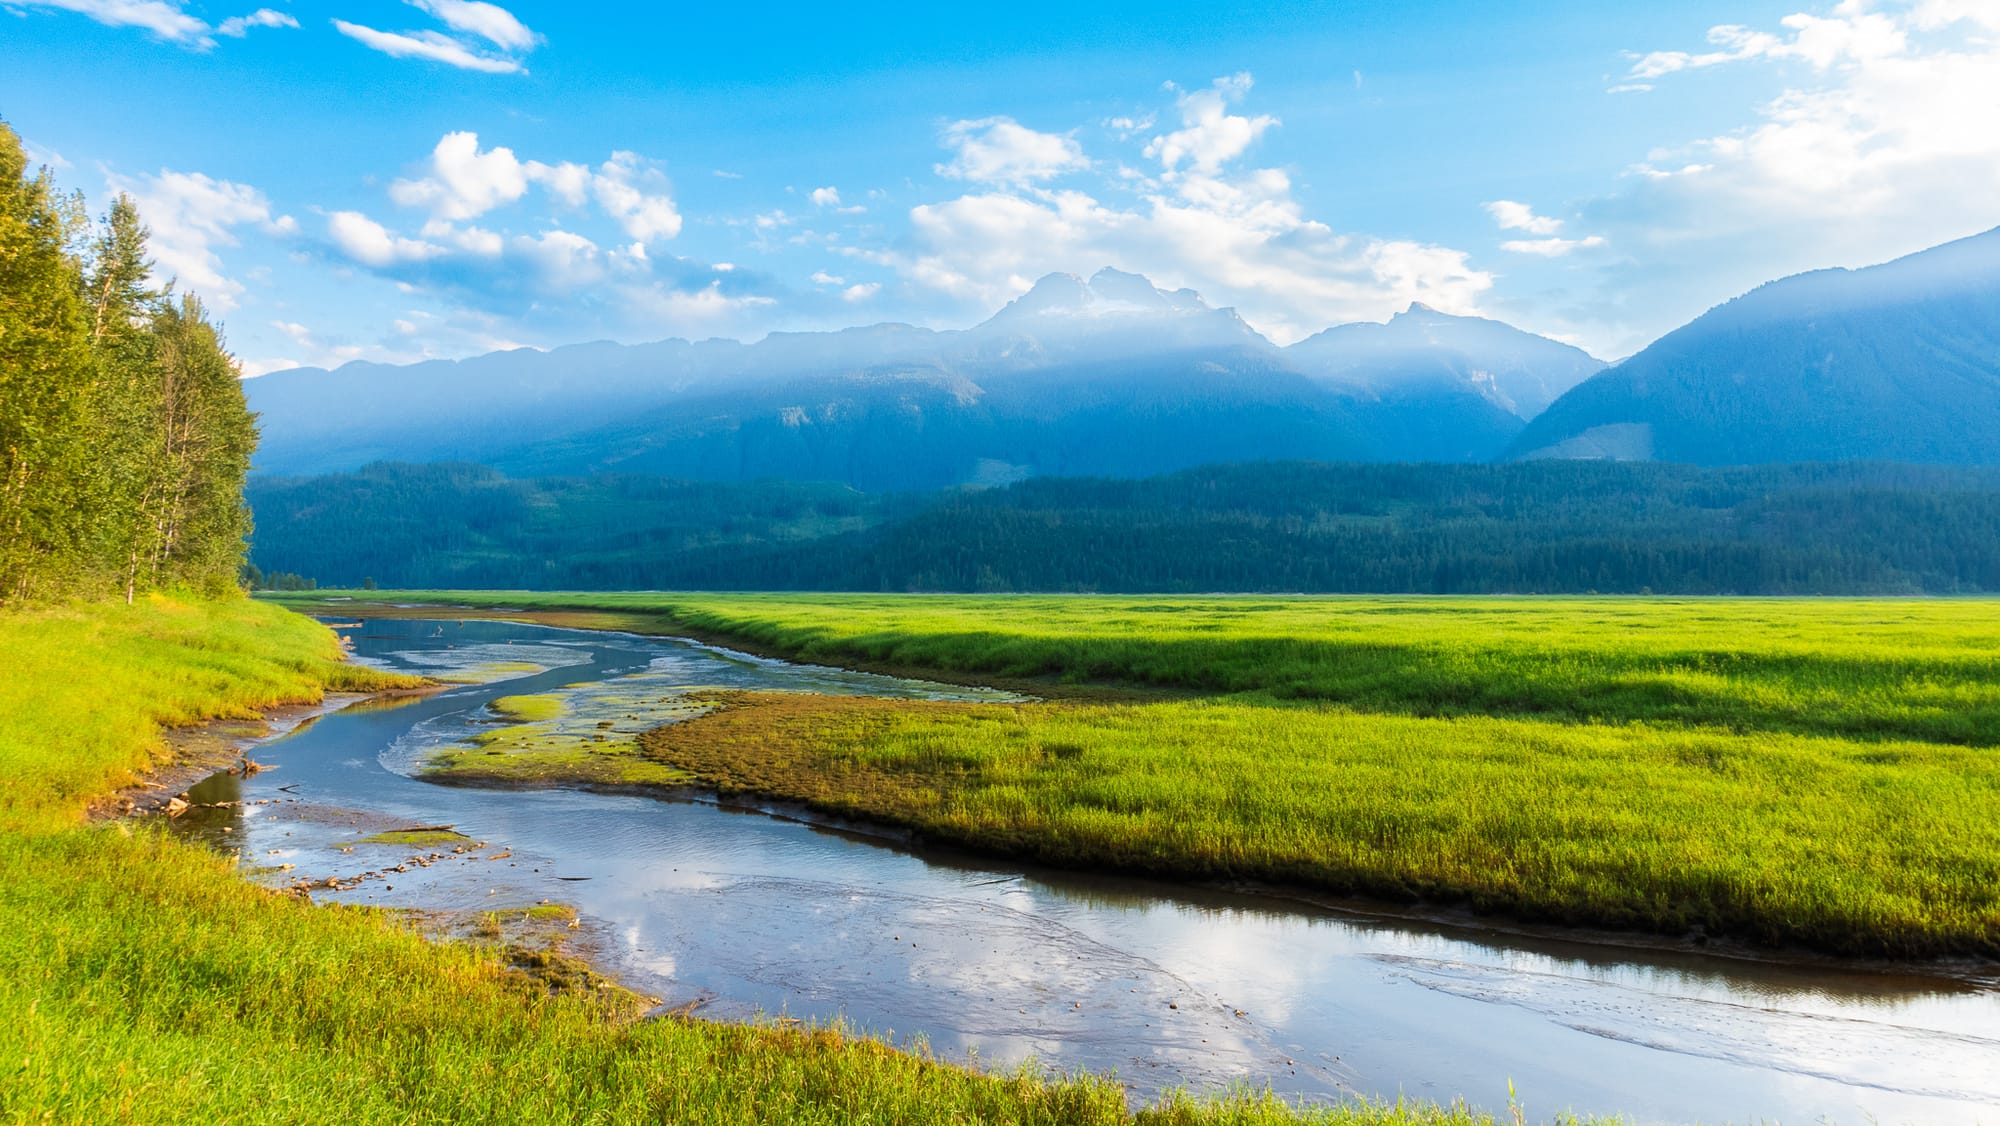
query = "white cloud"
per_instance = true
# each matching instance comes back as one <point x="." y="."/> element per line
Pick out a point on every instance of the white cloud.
<point x="1882" y="144"/>
<point x="860" y="292"/>
<point x="1552" y="247"/>
<point x="166" y="20"/>
<point x="464" y="182"/>
<point x="821" y="277"/>
<point x="298" y="333"/>
<point x="999" y="150"/>
<point x="646" y="216"/>
<point x="563" y="260"/>
<point x="567" y="181"/>
<point x="1512" y="216"/>
<point x="1241" y="238"/>
<point x="371" y="244"/>
<point x="37" y="156"/>
<point x="237" y="27"/>
<point x="432" y="45"/>
<point x="251" y="369"/>
<point x="491" y="22"/>
<point x="826" y="197"/>
<point x="190" y="215"/>
<point x="700" y="312"/>
<point x="1211" y="136"/>
<point x="1852" y="34"/>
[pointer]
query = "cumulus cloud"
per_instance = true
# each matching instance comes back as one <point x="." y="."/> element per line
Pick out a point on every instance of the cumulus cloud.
<point x="168" y="21"/>
<point x="860" y="292"/>
<point x="236" y="27"/>
<point x="1512" y="216"/>
<point x="191" y="215"/>
<point x="1000" y="150"/>
<point x="826" y="197"/>
<point x="1881" y="144"/>
<point x="621" y="187"/>
<point x="464" y="182"/>
<point x="371" y="244"/>
<point x="1239" y="236"/>
<point x="1210" y="136"/>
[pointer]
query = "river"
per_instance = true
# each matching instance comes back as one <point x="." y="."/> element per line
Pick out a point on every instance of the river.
<point x="745" y="913"/>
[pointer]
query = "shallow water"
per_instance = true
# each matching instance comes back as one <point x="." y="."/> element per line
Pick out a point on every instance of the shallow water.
<point x="1166" y="986"/>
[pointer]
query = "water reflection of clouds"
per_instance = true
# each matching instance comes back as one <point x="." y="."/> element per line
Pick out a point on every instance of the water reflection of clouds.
<point x="1872" y="1053"/>
<point x="763" y="915"/>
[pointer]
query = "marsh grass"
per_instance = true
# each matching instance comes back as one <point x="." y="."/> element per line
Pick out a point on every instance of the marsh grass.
<point x="1857" y="848"/>
<point x="1918" y="669"/>
<point x="144" y="980"/>
<point x="1783" y="771"/>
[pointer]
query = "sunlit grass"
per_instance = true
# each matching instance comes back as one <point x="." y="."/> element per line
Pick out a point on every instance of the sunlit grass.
<point x="1892" y="668"/>
<point x="142" y="980"/>
<point x="1878" y="848"/>
<point x="1804" y="771"/>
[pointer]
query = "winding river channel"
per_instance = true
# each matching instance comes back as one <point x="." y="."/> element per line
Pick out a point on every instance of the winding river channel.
<point x="746" y="913"/>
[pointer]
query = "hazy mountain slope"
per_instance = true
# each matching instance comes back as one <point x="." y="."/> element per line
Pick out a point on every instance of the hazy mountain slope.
<point x="1107" y="376"/>
<point x="1898" y="362"/>
<point x="1517" y="371"/>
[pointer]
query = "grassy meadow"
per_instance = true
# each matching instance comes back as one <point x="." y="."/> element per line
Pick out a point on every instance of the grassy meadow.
<point x="1810" y="772"/>
<point x="144" y="980"/>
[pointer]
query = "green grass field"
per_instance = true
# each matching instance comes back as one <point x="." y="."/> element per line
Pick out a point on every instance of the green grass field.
<point x="1814" y="772"/>
<point x="142" y="980"/>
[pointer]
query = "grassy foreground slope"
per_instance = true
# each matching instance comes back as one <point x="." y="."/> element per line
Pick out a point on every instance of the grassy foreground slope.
<point x="1812" y="772"/>
<point x="145" y="981"/>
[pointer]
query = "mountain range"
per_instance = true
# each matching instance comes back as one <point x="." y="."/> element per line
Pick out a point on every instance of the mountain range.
<point x="1109" y="376"/>
<point x="1112" y="376"/>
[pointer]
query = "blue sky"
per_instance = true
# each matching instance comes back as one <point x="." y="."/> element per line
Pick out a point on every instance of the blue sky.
<point x="392" y="181"/>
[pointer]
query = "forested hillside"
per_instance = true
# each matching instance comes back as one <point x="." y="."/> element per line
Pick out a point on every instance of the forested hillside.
<point x="124" y="436"/>
<point x="1558" y="527"/>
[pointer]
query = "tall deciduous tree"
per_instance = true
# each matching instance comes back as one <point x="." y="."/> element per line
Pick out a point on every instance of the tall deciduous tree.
<point x="46" y="376"/>
<point x="124" y="434"/>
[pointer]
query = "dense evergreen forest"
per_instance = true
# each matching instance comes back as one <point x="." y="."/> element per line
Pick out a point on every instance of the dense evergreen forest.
<point x="124" y="436"/>
<point x="1553" y="527"/>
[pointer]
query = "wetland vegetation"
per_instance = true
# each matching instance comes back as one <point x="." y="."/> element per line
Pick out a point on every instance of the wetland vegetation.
<point x="1782" y="772"/>
<point x="146" y="980"/>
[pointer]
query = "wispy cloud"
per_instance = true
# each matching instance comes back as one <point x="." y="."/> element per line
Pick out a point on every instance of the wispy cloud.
<point x="168" y="21"/>
<point x="236" y="27"/>
<point x="490" y="22"/>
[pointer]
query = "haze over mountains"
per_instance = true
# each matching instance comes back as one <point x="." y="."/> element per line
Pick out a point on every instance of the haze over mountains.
<point x="1106" y="377"/>
<point x="1898" y="362"/>
<point x="1114" y="377"/>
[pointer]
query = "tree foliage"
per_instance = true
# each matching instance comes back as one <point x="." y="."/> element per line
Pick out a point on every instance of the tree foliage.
<point x="124" y="436"/>
<point x="1550" y="527"/>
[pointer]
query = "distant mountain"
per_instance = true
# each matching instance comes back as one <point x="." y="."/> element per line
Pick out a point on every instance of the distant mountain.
<point x="1109" y="376"/>
<point x="1422" y="348"/>
<point x="1898" y="362"/>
